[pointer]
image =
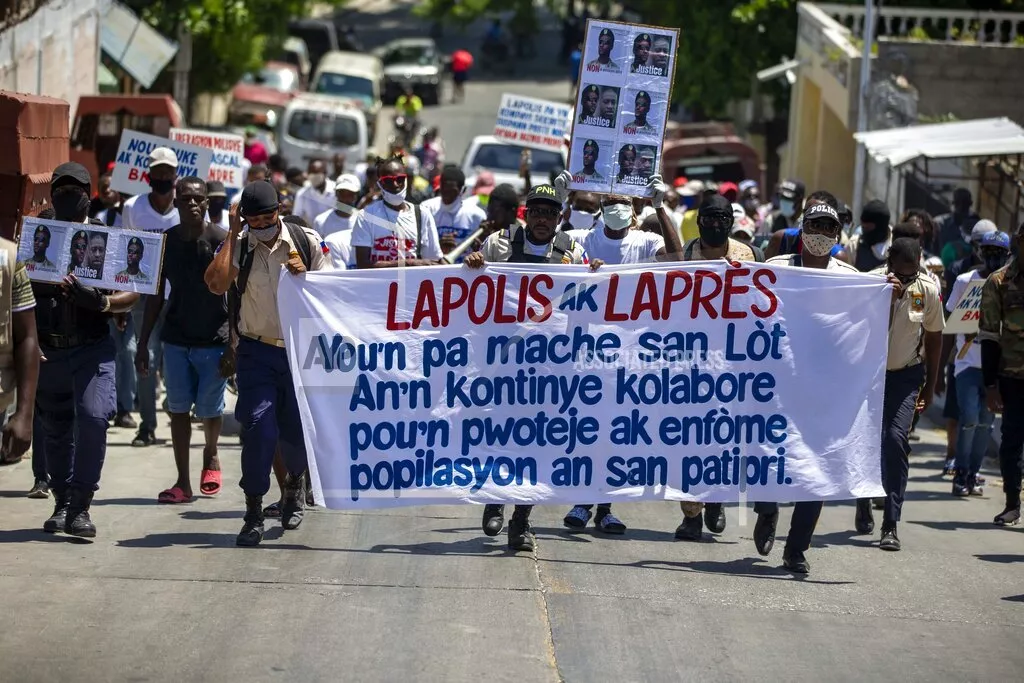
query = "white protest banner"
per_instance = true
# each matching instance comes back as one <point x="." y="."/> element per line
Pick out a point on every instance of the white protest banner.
<point x="130" y="174"/>
<point x="625" y="90"/>
<point x="108" y="258"/>
<point x="530" y="122"/>
<point x="228" y="154"/>
<point x="518" y="384"/>
<point x="967" y="312"/>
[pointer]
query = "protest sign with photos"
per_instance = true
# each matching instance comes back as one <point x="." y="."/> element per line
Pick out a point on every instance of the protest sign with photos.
<point x="683" y="381"/>
<point x="228" y="154"/>
<point x="530" y="122"/>
<point x="131" y="168"/>
<point x="108" y="258"/>
<point x="625" y="90"/>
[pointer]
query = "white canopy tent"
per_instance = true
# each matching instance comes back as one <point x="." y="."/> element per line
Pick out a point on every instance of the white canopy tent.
<point x="890" y="152"/>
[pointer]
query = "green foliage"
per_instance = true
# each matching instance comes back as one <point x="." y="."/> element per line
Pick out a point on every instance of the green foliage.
<point x="229" y="37"/>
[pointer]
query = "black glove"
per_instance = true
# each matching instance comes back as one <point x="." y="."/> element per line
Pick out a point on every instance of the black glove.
<point x="84" y="296"/>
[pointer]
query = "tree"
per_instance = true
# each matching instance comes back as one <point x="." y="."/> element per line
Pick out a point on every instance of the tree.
<point x="229" y="37"/>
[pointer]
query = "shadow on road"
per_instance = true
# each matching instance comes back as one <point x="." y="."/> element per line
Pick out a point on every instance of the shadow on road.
<point x="1001" y="559"/>
<point x="27" y="535"/>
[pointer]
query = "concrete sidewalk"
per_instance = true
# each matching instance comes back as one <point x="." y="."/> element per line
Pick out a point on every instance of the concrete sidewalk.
<point x="420" y="594"/>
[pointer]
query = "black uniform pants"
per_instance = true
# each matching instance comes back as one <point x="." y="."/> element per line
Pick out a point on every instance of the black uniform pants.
<point x="1012" y="443"/>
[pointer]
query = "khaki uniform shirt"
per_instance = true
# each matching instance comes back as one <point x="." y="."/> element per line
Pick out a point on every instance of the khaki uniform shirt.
<point x="15" y="296"/>
<point x="1002" y="318"/>
<point x="258" y="316"/>
<point x="919" y="310"/>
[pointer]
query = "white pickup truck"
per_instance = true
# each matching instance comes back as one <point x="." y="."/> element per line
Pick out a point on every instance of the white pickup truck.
<point x="501" y="158"/>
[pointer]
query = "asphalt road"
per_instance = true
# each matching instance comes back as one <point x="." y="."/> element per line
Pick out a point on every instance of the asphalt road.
<point x="421" y="594"/>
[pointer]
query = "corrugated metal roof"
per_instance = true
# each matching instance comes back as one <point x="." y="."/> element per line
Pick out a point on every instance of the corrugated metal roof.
<point x="957" y="139"/>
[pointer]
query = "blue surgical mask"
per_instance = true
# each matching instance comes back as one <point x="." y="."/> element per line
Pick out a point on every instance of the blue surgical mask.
<point x="787" y="207"/>
<point x="264" y="234"/>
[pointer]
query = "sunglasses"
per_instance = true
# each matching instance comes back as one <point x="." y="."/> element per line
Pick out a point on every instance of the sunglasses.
<point x="394" y="179"/>
<point x="540" y="212"/>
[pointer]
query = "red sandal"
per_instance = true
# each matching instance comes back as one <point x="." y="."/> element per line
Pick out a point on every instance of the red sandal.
<point x="173" y="496"/>
<point x="210" y="482"/>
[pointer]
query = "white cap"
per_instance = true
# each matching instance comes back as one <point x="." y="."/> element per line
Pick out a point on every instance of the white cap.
<point x="163" y="156"/>
<point x="692" y="188"/>
<point x="744" y="225"/>
<point x="982" y="228"/>
<point x="738" y="213"/>
<point x="349" y="182"/>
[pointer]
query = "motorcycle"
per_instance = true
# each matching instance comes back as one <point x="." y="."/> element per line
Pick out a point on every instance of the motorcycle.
<point x="406" y="131"/>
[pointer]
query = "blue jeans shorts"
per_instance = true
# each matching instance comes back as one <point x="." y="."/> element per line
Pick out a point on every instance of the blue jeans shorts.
<point x="192" y="378"/>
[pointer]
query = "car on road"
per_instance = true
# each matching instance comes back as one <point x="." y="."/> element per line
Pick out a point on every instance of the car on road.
<point x="352" y="76"/>
<point x="415" y="62"/>
<point x="263" y="95"/>
<point x="318" y="127"/>
<point x="500" y="157"/>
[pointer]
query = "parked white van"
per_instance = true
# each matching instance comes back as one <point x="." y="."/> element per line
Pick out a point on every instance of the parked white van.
<point x="354" y="76"/>
<point x="318" y="127"/>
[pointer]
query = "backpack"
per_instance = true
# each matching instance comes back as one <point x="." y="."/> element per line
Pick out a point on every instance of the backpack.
<point x="688" y="251"/>
<point x="245" y="259"/>
<point x="561" y="245"/>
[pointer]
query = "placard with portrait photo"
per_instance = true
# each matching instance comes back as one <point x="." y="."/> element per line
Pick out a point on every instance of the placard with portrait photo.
<point x="593" y="169"/>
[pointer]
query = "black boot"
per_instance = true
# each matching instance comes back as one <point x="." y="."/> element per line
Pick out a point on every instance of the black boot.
<point x="494" y="519"/>
<point x="714" y="517"/>
<point x="691" y="529"/>
<point x="520" y="537"/>
<point x="60" y="512"/>
<point x="764" y="532"/>
<point x="252" y="531"/>
<point x="865" y="519"/>
<point x="78" y="523"/>
<point x="293" y="504"/>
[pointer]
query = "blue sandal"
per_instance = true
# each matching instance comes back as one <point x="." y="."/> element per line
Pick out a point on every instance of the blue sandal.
<point x="577" y="518"/>
<point x="610" y="524"/>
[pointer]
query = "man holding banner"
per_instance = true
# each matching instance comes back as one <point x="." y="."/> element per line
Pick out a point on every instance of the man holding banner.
<point x="538" y="242"/>
<point x="266" y="407"/>
<point x="821" y="233"/>
<point x="620" y="241"/>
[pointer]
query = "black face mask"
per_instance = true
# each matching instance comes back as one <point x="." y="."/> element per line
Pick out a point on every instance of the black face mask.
<point x="994" y="262"/>
<point x="161" y="186"/>
<point x="714" y="230"/>
<point x="70" y="204"/>
<point x="216" y="207"/>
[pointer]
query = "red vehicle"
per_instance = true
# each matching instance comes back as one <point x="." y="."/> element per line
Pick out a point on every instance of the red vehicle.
<point x="100" y="119"/>
<point x="260" y="98"/>
<point x="708" y="151"/>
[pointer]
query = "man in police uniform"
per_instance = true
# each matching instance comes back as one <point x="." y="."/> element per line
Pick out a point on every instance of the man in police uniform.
<point x="911" y="371"/>
<point x="266" y="407"/>
<point x="75" y="398"/>
<point x="19" y="353"/>
<point x="1001" y="333"/>
<point x="605" y="44"/>
<point x="538" y="242"/>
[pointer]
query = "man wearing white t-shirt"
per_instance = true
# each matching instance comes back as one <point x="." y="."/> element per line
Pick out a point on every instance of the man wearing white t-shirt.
<point x="975" y="420"/>
<point x="342" y="217"/>
<point x="316" y="197"/>
<point x="620" y="241"/>
<point x="455" y="219"/>
<point x="391" y="232"/>
<point x="151" y="212"/>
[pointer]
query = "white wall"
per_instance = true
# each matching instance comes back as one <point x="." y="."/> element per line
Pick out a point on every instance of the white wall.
<point x="55" y="52"/>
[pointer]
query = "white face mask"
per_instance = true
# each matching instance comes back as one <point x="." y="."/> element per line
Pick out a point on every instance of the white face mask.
<point x="618" y="216"/>
<point x="263" y="234"/>
<point x="582" y="220"/>
<point x="393" y="198"/>
<point x="316" y="179"/>
<point x="818" y="245"/>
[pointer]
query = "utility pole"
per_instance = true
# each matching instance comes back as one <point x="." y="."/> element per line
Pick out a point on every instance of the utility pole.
<point x="182" y="69"/>
<point x="863" y="101"/>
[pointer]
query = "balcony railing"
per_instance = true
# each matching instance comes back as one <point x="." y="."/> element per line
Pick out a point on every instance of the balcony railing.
<point x="996" y="28"/>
